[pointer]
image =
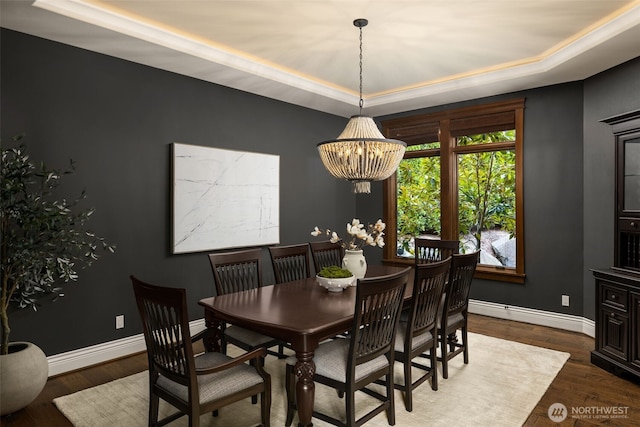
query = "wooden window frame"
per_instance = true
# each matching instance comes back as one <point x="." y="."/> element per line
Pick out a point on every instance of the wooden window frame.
<point x="444" y="127"/>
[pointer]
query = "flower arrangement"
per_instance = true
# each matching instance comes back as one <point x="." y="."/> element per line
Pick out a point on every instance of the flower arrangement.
<point x="361" y="236"/>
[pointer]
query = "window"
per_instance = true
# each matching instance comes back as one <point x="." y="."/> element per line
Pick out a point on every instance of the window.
<point x="461" y="178"/>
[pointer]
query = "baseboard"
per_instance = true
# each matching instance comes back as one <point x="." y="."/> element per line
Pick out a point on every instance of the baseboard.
<point x="537" y="317"/>
<point x="100" y="353"/>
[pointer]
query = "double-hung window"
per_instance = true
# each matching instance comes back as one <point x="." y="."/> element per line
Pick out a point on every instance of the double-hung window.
<point x="461" y="178"/>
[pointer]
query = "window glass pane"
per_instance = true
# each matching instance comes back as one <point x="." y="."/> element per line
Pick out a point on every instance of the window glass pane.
<point x="418" y="201"/>
<point x="487" y="205"/>
<point x="632" y="175"/>
<point x="486" y="138"/>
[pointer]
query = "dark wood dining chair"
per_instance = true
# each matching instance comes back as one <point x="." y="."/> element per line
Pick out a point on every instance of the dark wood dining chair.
<point x="239" y="271"/>
<point x="455" y="310"/>
<point x="326" y="254"/>
<point x="290" y="262"/>
<point x="431" y="250"/>
<point x="195" y="385"/>
<point x="351" y="364"/>
<point x="418" y="336"/>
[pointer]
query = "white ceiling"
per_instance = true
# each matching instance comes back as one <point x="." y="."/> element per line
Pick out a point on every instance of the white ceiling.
<point x="417" y="53"/>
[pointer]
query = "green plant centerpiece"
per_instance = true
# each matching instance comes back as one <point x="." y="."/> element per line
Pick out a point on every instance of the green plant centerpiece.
<point x="335" y="272"/>
<point x="334" y="278"/>
<point x="44" y="243"/>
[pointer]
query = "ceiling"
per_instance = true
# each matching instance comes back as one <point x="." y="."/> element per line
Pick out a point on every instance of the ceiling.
<point x="417" y="53"/>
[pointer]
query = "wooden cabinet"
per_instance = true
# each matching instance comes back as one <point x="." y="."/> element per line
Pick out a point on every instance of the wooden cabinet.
<point x="618" y="288"/>
<point x="617" y="322"/>
<point x="626" y="131"/>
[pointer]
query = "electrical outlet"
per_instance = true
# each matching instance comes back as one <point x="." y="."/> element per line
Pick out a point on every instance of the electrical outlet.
<point x="565" y="300"/>
<point x="120" y="321"/>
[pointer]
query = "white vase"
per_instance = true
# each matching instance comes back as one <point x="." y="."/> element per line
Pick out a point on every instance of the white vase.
<point x="355" y="262"/>
<point x="24" y="373"/>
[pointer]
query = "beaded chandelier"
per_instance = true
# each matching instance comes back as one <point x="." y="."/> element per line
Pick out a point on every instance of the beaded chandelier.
<point x="361" y="153"/>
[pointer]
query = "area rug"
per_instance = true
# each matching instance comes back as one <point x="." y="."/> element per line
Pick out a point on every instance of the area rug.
<point x="500" y="386"/>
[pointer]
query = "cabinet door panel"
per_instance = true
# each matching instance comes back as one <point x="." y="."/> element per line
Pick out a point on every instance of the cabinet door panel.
<point x="635" y="329"/>
<point x="614" y="330"/>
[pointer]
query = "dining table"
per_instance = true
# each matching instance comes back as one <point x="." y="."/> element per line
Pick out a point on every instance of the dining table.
<point x="300" y="313"/>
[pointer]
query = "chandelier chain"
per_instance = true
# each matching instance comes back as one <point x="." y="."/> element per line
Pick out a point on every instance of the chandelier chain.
<point x="361" y="100"/>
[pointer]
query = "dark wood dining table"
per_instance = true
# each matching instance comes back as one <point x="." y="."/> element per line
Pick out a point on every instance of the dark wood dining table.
<point x="301" y="313"/>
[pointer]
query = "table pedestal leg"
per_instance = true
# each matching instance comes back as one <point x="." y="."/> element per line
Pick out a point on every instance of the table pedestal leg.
<point x="305" y="387"/>
<point x="213" y="336"/>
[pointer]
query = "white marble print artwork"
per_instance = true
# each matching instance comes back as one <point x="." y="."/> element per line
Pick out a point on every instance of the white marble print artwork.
<point x="224" y="198"/>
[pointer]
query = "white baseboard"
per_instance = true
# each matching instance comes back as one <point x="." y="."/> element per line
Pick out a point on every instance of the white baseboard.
<point x="100" y="353"/>
<point x="537" y="317"/>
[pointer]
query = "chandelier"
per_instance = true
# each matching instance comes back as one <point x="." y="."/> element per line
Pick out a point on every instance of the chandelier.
<point x="361" y="153"/>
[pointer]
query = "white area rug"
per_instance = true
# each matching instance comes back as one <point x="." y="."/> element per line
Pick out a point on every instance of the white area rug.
<point x="500" y="386"/>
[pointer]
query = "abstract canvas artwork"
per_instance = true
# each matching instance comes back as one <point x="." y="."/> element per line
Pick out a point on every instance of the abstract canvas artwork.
<point x="224" y="198"/>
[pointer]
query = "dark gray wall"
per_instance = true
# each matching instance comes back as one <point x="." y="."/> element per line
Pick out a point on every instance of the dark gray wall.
<point x="607" y="94"/>
<point x="117" y="119"/>
<point x="552" y="201"/>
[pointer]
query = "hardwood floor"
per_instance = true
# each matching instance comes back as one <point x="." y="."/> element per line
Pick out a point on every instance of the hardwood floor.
<point x="579" y="384"/>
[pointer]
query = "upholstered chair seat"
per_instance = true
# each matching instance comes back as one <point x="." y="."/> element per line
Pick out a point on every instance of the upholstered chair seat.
<point x="218" y="385"/>
<point x="418" y="341"/>
<point x="331" y="361"/>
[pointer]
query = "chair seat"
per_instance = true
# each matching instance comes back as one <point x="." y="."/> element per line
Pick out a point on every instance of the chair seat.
<point x="454" y="319"/>
<point x="251" y="338"/>
<point x="417" y="340"/>
<point x="218" y="385"/>
<point x="331" y="361"/>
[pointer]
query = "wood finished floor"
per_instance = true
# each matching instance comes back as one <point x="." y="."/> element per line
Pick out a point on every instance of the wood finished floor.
<point x="579" y="384"/>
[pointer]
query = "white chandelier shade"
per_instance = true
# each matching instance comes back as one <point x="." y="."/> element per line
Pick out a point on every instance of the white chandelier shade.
<point x="361" y="154"/>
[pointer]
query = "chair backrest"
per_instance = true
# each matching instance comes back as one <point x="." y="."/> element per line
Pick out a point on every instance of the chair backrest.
<point x="326" y="254"/>
<point x="428" y="287"/>
<point x="237" y="271"/>
<point x="290" y="262"/>
<point x="379" y="302"/>
<point x="431" y="250"/>
<point x="165" y="323"/>
<point x="463" y="267"/>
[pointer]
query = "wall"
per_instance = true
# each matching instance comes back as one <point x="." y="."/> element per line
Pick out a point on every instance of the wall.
<point x="117" y="119"/>
<point x="607" y="94"/>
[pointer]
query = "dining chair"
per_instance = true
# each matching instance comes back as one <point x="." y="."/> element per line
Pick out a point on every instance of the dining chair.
<point x="326" y="254"/>
<point x="290" y="262"/>
<point x="455" y="310"/>
<point x="418" y="336"/>
<point x="351" y="364"/>
<point x="239" y="271"/>
<point x="430" y="250"/>
<point x="193" y="384"/>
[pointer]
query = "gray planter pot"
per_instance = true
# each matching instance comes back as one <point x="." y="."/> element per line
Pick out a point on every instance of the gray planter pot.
<point x="23" y="374"/>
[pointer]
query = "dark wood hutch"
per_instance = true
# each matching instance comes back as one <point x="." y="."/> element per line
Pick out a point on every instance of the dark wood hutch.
<point x="618" y="288"/>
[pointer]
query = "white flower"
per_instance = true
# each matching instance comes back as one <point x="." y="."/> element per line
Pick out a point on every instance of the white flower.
<point x="371" y="235"/>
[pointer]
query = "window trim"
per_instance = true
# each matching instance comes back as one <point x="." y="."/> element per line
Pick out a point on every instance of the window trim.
<point x="483" y="117"/>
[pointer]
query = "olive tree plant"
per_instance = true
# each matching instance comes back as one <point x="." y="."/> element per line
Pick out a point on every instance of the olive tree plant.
<point x="44" y="239"/>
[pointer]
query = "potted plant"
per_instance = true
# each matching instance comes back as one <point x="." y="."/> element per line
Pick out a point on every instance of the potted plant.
<point x="44" y="242"/>
<point x="334" y="278"/>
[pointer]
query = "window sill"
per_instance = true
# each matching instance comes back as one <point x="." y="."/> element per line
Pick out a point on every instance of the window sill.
<point x="482" y="272"/>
